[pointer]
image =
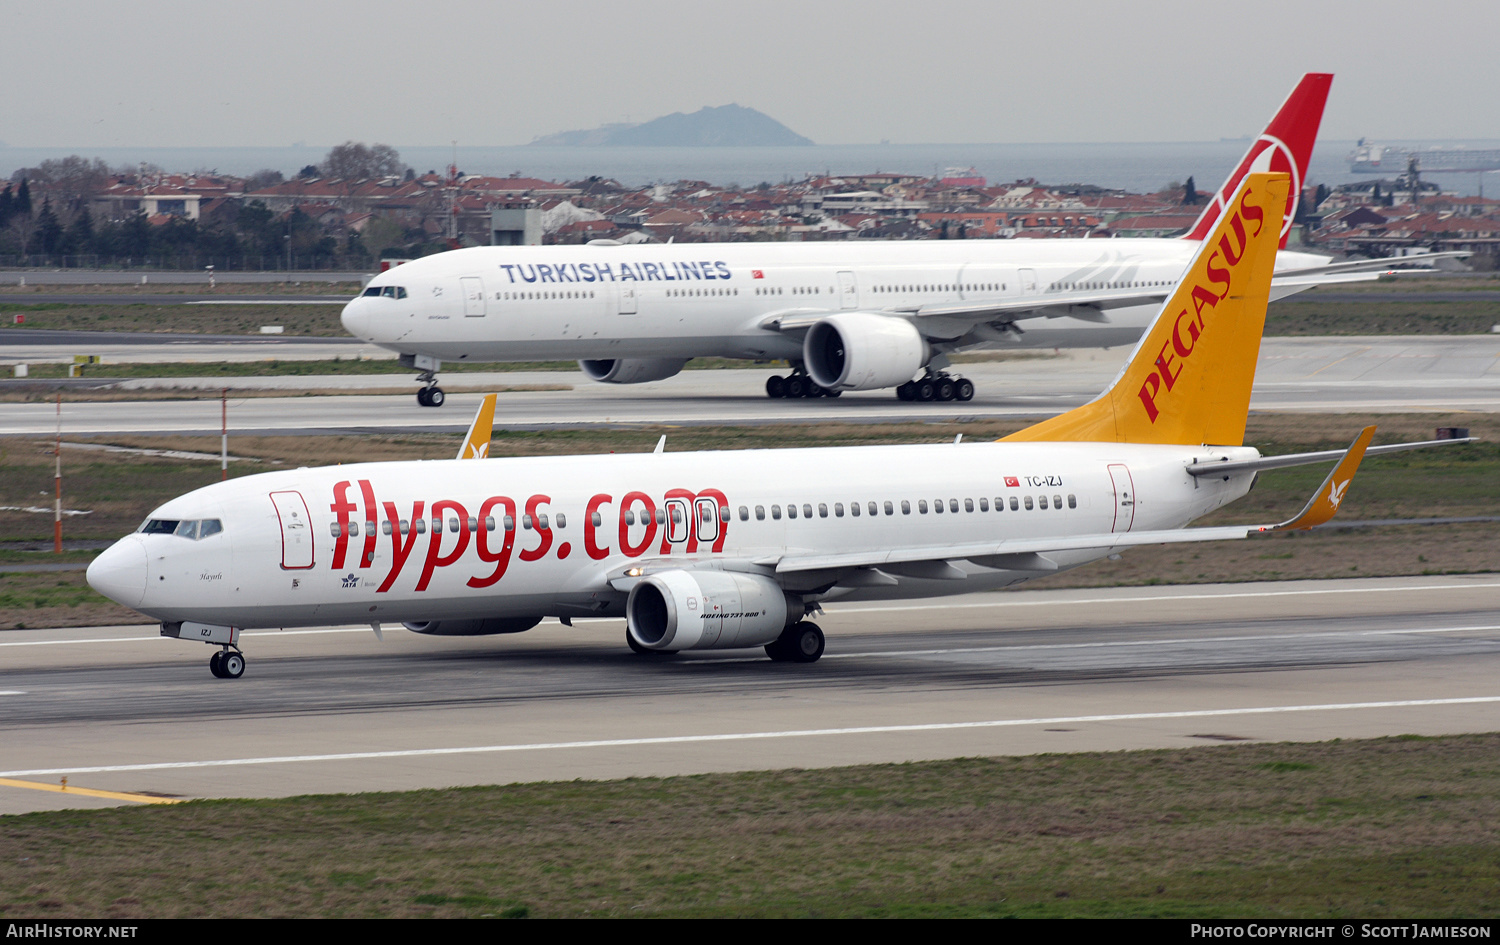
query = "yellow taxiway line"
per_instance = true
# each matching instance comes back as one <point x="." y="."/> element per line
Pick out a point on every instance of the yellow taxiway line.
<point x="89" y="792"/>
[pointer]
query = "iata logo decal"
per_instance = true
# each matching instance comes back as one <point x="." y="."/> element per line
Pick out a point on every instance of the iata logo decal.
<point x="351" y="580"/>
<point x="1188" y="327"/>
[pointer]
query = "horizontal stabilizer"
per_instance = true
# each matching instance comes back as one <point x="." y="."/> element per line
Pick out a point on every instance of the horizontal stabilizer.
<point x="1216" y="468"/>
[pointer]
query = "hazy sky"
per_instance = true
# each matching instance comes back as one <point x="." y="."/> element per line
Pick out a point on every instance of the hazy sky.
<point x="276" y="72"/>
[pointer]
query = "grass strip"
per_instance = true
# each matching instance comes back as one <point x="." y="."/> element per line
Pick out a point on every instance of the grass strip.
<point x="1390" y="828"/>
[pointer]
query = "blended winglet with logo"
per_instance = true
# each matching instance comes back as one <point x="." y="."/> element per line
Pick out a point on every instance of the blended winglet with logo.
<point x="1325" y="502"/>
<point x="477" y="444"/>
<point x="1284" y="147"/>
<point x="1188" y="381"/>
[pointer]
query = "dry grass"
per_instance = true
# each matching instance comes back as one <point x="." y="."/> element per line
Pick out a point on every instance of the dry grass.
<point x="1385" y="829"/>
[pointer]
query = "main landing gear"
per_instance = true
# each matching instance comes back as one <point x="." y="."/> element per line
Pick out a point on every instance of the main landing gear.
<point x="800" y="643"/>
<point x="796" y="385"/>
<point x="227" y="664"/>
<point x="934" y="387"/>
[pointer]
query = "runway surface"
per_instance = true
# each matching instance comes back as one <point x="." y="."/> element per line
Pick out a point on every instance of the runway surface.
<point x="1325" y="375"/>
<point x="124" y="710"/>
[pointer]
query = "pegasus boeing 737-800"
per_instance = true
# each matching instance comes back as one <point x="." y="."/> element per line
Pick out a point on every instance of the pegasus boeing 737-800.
<point x="848" y="316"/>
<point x="715" y="550"/>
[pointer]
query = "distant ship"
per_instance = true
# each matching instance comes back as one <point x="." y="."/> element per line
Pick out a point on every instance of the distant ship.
<point x="1380" y="159"/>
<point x="962" y="177"/>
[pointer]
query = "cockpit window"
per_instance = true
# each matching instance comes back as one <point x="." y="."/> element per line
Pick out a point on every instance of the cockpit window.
<point x="386" y="291"/>
<point x="195" y="530"/>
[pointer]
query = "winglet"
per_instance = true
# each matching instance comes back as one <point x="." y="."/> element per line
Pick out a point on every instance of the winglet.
<point x="1325" y="502"/>
<point x="477" y="444"/>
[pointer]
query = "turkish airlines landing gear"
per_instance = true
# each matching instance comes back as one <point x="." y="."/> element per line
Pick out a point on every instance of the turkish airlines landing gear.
<point x="800" y="643"/>
<point x="935" y="387"/>
<point x="430" y="395"/>
<point x="795" y="386"/>
<point x="227" y="664"/>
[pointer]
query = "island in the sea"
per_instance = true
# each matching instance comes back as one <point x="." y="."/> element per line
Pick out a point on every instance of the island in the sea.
<point x="728" y="126"/>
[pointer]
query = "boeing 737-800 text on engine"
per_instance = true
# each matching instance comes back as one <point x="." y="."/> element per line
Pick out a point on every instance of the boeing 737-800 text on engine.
<point x="856" y="315"/>
<point x="706" y="550"/>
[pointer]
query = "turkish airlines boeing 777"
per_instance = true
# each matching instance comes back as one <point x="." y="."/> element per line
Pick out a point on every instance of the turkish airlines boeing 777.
<point x="857" y="315"/>
<point x="712" y="550"/>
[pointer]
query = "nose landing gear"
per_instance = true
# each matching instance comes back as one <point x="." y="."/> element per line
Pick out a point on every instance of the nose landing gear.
<point x="227" y="664"/>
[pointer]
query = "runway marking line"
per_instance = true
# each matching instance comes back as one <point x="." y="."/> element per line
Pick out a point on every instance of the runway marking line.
<point x="1004" y="648"/>
<point x="90" y="792"/>
<point x="754" y="736"/>
<point x="884" y="609"/>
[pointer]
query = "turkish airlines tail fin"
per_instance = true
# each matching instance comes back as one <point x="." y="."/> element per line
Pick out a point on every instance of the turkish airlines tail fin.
<point x="477" y="444"/>
<point x="1188" y="380"/>
<point x="1284" y="147"/>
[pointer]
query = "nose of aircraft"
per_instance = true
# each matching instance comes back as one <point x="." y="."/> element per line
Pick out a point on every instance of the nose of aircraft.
<point x="119" y="573"/>
<point x="356" y="317"/>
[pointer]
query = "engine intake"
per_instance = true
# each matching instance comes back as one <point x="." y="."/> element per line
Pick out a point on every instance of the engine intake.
<point x="863" y="351"/>
<point x="707" y="610"/>
<point x="473" y="628"/>
<point x="632" y="370"/>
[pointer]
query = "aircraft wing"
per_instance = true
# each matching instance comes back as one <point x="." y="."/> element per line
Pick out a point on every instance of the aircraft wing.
<point x="1030" y="554"/>
<point x="954" y="319"/>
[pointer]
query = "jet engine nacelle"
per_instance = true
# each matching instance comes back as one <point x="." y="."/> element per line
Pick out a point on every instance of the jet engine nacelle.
<point x="473" y="628"/>
<point x="862" y="351"/>
<point x="632" y="370"/>
<point x="707" y="610"/>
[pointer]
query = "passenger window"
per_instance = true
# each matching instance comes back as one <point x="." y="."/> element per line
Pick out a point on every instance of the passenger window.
<point x="853" y="509"/>
<point x="474" y="524"/>
<point x="807" y="510"/>
<point x="369" y="528"/>
<point x="822" y="510"/>
<point x="489" y="524"/>
<point x="406" y="526"/>
<point x="838" y="509"/>
<point x="1072" y="501"/>
<point x="922" y="506"/>
<point x="596" y="519"/>
<point x="334" y="529"/>
<point x="791" y="511"/>
<point x="760" y="513"/>
<point x="776" y="512"/>
<point x="953" y="505"/>
<point x="968" y="505"/>
<point x="984" y="505"/>
<point x="744" y="514"/>
<point x="905" y="507"/>
<point x="1028" y="503"/>
<point x="1057" y="502"/>
<point x="1014" y="505"/>
<point x="421" y="525"/>
<point x="526" y="522"/>
<point x="353" y="529"/>
<point x="510" y="524"/>
<point x="937" y="506"/>
<point x="385" y="527"/>
<point x="1041" y="501"/>
<point x="889" y="510"/>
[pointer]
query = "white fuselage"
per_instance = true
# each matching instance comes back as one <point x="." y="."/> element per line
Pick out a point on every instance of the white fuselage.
<point x="284" y="554"/>
<point x="518" y="303"/>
